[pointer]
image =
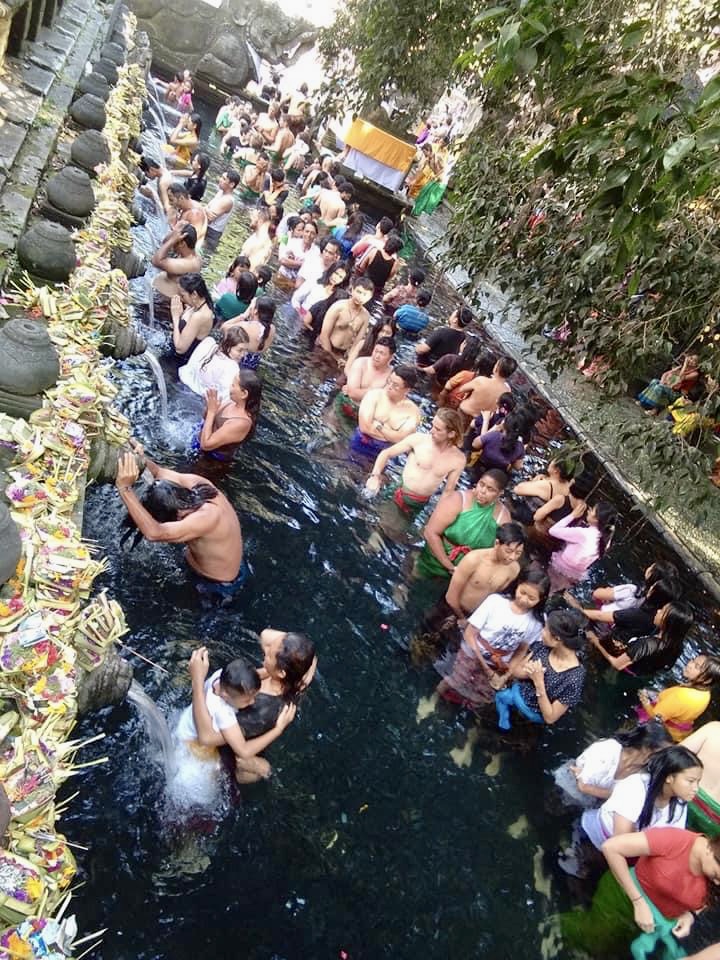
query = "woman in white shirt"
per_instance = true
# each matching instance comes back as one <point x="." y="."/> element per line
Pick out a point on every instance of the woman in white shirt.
<point x="593" y="775"/>
<point x="214" y="366"/>
<point x="655" y="798"/>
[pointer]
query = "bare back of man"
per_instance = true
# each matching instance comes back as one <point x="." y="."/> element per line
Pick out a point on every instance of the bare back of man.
<point x="211" y="532"/>
<point x="482" y="393"/>
<point x="479" y="574"/>
<point x="332" y="206"/>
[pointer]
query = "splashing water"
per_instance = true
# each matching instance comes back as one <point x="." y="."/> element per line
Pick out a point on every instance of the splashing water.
<point x="154" y="365"/>
<point x="156" y="726"/>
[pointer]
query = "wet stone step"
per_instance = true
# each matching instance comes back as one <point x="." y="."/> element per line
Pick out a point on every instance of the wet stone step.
<point x="57" y="38"/>
<point x="17" y="104"/>
<point x="12" y="136"/>
<point x="46" y="57"/>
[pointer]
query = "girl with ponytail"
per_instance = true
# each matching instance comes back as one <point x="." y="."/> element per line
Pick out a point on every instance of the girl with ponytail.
<point x="583" y="544"/>
<point x="192" y="314"/>
<point x="549" y="680"/>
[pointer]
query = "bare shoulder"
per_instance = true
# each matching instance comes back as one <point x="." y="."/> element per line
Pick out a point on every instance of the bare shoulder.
<point x="501" y="513"/>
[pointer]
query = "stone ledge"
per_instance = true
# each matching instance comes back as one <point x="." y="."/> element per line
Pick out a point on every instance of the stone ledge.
<point x="34" y="152"/>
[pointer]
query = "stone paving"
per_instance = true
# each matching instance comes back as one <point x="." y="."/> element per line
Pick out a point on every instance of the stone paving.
<point x="590" y="415"/>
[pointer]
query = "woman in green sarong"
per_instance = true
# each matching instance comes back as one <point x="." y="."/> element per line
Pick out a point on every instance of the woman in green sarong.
<point x="650" y="907"/>
<point x="464" y="521"/>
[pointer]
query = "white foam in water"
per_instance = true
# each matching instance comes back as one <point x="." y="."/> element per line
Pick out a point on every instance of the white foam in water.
<point x="154" y="365"/>
<point x="196" y="784"/>
<point x="156" y="726"/>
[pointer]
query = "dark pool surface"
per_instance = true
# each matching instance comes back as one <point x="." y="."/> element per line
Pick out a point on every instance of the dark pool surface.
<point x="371" y="840"/>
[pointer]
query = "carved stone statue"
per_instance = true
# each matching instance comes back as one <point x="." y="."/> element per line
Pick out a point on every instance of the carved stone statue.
<point x="213" y="42"/>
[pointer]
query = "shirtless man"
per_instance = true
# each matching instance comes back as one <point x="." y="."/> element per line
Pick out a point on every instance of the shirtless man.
<point x="254" y="176"/>
<point x="175" y="257"/>
<point x="366" y="373"/>
<point x="333" y="203"/>
<point x="346" y="322"/>
<point x="220" y="208"/>
<point x="284" y="138"/>
<point x="387" y="415"/>
<point x="483" y="393"/>
<point x="482" y="572"/>
<point x="193" y="512"/>
<point x="258" y="244"/>
<point x="433" y="460"/>
<point x="479" y="573"/>
<point x="704" y="809"/>
<point x="186" y="210"/>
<point x="267" y="123"/>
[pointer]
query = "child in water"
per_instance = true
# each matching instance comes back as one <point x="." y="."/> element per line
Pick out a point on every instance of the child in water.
<point x="679" y="707"/>
<point x="232" y="688"/>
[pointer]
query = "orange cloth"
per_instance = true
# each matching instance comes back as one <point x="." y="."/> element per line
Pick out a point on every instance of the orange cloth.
<point x="381" y="146"/>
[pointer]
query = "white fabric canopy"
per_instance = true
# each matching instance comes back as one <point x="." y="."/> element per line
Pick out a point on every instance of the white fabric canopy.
<point x="379" y="172"/>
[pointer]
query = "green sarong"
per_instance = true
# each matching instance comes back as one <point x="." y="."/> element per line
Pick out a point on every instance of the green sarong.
<point x="429" y="198"/>
<point x="346" y="407"/>
<point x="472" y="529"/>
<point x="704" y="815"/>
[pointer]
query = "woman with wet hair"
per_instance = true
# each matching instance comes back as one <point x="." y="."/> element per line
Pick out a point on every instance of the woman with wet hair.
<point x="192" y="315"/>
<point x="583" y="545"/>
<point x="227" y="425"/>
<point x="289" y="664"/>
<point x="213" y="365"/>
<point x="646" y="655"/>
<point x="231" y="305"/>
<point x="549" y="681"/>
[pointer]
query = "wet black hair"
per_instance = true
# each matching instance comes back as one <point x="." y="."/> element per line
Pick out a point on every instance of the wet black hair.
<point x="240" y="261"/>
<point x="189" y="235"/>
<point x="677" y="623"/>
<point x="660" y="766"/>
<point x="264" y="276"/>
<point x="465" y="316"/>
<point x="388" y="342"/>
<point x="662" y="570"/>
<point x="203" y="162"/>
<point x="246" y="286"/>
<point x="417" y="277"/>
<point x="511" y="532"/>
<point x="506" y="366"/>
<point x="513" y="427"/>
<point x="606" y="520"/>
<point x="498" y="477"/>
<point x="540" y="580"/>
<point x="709" y="674"/>
<point x="568" y="626"/>
<point x="325" y="277"/>
<point x="564" y="468"/>
<point x="407" y="373"/>
<point x="645" y="736"/>
<point x="394" y="244"/>
<point x="233" y="176"/>
<point x="265" y="313"/>
<point x="239" y="677"/>
<point x="147" y="164"/>
<point x="662" y="592"/>
<point x="365" y="283"/>
<point x="485" y="363"/>
<point x="422" y="297"/>
<point x="178" y="189"/>
<point x="292" y="222"/>
<point x="295" y="659"/>
<point x="385" y="225"/>
<point x="251" y="382"/>
<point x="277" y="174"/>
<point x="197" y="122"/>
<point x="163" y="500"/>
<point x="194" y="283"/>
<point x="373" y="334"/>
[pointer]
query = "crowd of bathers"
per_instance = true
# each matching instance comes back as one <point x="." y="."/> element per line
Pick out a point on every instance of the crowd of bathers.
<point x="514" y="626"/>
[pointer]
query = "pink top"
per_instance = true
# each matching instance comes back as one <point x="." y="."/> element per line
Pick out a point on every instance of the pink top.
<point x="581" y="551"/>
<point x="226" y="285"/>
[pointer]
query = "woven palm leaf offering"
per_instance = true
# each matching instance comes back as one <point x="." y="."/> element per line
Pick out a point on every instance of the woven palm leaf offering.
<point x="101" y="623"/>
<point x="22" y="888"/>
<point x="39" y="938"/>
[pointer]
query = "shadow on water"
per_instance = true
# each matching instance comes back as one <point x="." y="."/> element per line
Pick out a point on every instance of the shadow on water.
<point x="376" y="835"/>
